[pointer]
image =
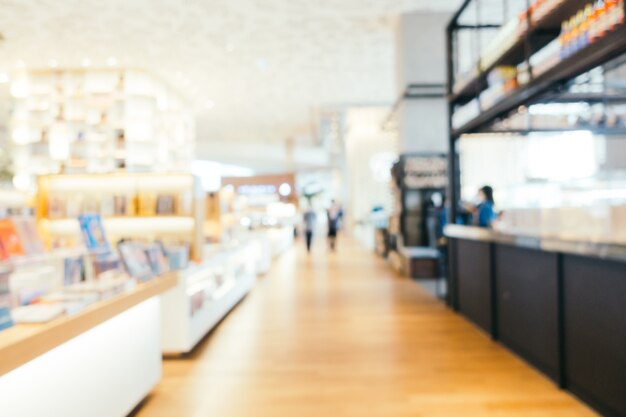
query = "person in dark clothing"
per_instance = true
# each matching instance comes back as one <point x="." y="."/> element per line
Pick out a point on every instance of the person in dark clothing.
<point x="309" y="219"/>
<point x="335" y="215"/>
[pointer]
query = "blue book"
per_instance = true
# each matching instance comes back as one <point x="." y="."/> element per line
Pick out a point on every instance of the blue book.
<point x="93" y="234"/>
<point x="5" y="318"/>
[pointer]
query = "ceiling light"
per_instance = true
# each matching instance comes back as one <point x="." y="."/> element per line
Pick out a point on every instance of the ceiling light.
<point x="284" y="189"/>
<point x="53" y="63"/>
<point x="86" y="62"/>
<point x="111" y="61"/>
<point x="4" y="78"/>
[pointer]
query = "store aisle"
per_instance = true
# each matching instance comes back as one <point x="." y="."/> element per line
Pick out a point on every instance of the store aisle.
<point x="341" y="335"/>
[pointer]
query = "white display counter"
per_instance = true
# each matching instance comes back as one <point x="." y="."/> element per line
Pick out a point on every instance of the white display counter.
<point x="204" y="295"/>
<point x="100" y="362"/>
<point x="281" y="239"/>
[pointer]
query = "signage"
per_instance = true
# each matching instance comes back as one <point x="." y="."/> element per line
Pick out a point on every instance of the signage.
<point x="261" y="189"/>
<point x="425" y="172"/>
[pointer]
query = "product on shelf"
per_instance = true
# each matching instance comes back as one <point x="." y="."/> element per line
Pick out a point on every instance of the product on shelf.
<point x="147" y="204"/>
<point x="93" y="233"/>
<point x="541" y="8"/>
<point x="165" y="204"/>
<point x="501" y="80"/>
<point x="157" y="258"/>
<point x="37" y="313"/>
<point x="26" y="228"/>
<point x="589" y="24"/>
<point x="5" y="297"/>
<point x="465" y="113"/>
<point x="9" y="240"/>
<point x="546" y="58"/>
<point x="178" y="255"/>
<point x="74" y="270"/>
<point x="136" y="260"/>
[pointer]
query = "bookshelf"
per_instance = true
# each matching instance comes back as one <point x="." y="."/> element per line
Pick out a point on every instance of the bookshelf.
<point x="96" y="121"/>
<point x="168" y="206"/>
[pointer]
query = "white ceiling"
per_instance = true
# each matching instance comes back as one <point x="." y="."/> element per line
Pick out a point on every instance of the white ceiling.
<point x="252" y="69"/>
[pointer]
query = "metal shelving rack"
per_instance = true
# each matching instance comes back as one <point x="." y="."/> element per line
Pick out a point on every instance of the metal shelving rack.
<point x="538" y="89"/>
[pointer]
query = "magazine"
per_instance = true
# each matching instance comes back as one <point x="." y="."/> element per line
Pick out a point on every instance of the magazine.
<point x="9" y="239"/>
<point x="26" y="228"/>
<point x="93" y="233"/>
<point x="156" y="257"/>
<point x="135" y="260"/>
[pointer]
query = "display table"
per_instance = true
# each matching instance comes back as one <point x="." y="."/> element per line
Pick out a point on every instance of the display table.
<point x="100" y="362"/>
<point x="556" y="302"/>
<point x="205" y="294"/>
<point x="281" y="239"/>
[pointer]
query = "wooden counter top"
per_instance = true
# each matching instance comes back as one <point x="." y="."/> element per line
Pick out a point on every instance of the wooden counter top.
<point x="25" y="342"/>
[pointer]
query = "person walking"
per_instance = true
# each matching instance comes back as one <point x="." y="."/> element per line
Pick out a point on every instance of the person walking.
<point x="309" y="219"/>
<point x="335" y="214"/>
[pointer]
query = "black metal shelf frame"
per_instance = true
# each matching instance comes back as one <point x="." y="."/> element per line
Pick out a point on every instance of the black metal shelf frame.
<point x="538" y="35"/>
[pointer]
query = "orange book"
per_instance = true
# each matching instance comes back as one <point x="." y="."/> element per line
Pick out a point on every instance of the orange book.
<point x="9" y="239"/>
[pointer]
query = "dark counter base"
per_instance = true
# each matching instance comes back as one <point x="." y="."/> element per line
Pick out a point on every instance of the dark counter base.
<point x="527" y="307"/>
<point x="565" y="314"/>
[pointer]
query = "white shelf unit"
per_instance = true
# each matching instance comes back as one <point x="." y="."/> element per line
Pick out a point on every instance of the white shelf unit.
<point x="205" y="294"/>
<point x="103" y="372"/>
<point x="97" y="120"/>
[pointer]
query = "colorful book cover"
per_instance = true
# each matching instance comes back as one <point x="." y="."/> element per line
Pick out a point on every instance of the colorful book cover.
<point x="93" y="234"/>
<point x="4" y="255"/>
<point x="26" y="228"/>
<point x="73" y="270"/>
<point x="165" y="204"/>
<point x="5" y="318"/>
<point x="120" y="205"/>
<point x="157" y="259"/>
<point x="56" y="207"/>
<point x="9" y="239"/>
<point x="147" y="204"/>
<point x="135" y="260"/>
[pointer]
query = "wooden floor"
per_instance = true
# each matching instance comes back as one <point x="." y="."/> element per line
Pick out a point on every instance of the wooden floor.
<point x="340" y="335"/>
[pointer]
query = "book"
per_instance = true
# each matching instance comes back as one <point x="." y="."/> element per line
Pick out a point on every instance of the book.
<point x="6" y="320"/>
<point x="165" y="204"/>
<point x="135" y="260"/>
<point x="156" y="257"/>
<point x="120" y="205"/>
<point x="93" y="233"/>
<point x="9" y="239"/>
<point x="5" y="298"/>
<point x="184" y="204"/>
<point x="56" y="207"/>
<point x="26" y="228"/>
<point x="178" y="256"/>
<point x="37" y="313"/>
<point x="73" y="270"/>
<point x="91" y="205"/>
<point x="74" y="206"/>
<point x="107" y="206"/>
<point x="146" y="204"/>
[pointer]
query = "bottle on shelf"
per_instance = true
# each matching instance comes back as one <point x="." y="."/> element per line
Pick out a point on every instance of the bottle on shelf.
<point x="600" y="12"/>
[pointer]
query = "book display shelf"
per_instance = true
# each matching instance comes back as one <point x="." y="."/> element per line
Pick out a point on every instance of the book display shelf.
<point x="537" y="110"/>
<point x="167" y="207"/>
<point x="79" y="316"/>
<point x="96" y="120"/>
